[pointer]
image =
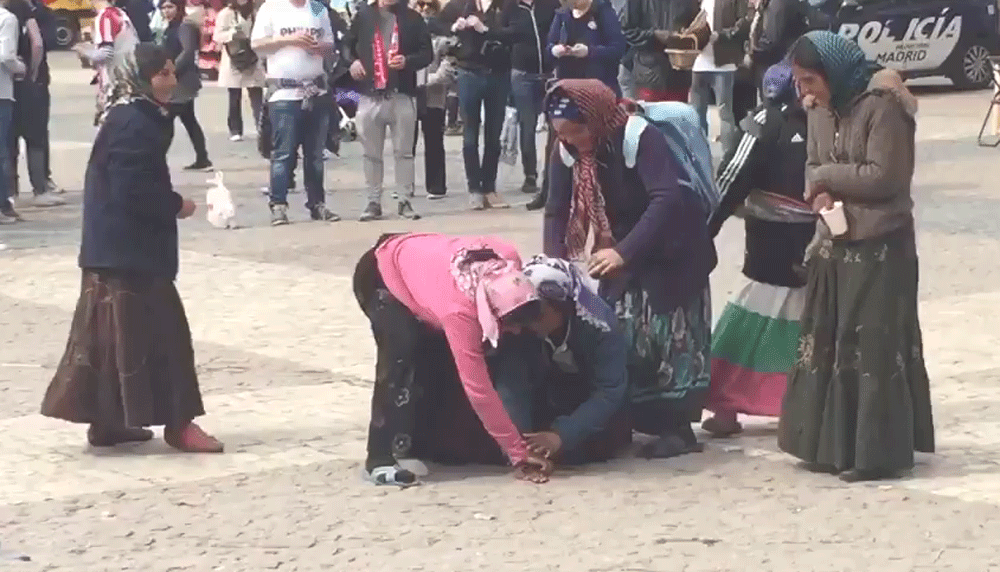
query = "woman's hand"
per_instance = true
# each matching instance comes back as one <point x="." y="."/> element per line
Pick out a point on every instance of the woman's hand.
<point x="579" y="51"/>
<point x="559" y="50"/>
<point x="813" y="190"/>
<point x="821" y="202"/>
<point x="604" y="262"/>
<point x="546" y="443"/>
<point x="534" y="469"/>
<point x="187" y="209"/>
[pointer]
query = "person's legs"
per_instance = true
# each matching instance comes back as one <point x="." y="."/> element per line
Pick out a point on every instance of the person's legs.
<point x="284" y="117"/>
<point x="471" y="88"/>
<point x="723" y="83"/>
<point x="315" y="123"/>
<point x="540" y="198"/>
<point x="6" y="208"/>
<point x="432" y="124"/>
<point x="497" y="90"/>
<point x="403" y="128"/>
<point x="256" y="95"/>
<point x="235" y="115"/>
<point x="35" y="131"/>
<point x="371" y="134"/>
<point x="185" y="111"/>
<point x="701" y="84"/>
<point x="523" y="88"/>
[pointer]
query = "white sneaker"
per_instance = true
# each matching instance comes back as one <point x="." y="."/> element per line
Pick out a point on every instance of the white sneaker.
<point x="46" y="200"/>
<point x="235" y="138"/>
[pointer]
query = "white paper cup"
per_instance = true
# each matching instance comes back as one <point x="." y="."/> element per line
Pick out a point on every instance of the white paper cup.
<point x="835" y="219"/>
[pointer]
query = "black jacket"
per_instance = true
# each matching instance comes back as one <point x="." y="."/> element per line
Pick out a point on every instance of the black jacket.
<point x="651" y="67"/>
<point x="782" y="22"/>
<point x="414" y="45"/>
<point x="129" y="204"/>
<point x="489" y="51"/>
<point x="732" y="22"/>
<point x="529" y="25"/>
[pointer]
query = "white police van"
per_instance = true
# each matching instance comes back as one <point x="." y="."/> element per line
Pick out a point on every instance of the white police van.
<point x="919" y="38"/>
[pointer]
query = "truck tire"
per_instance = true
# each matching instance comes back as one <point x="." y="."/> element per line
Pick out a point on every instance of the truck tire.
<point x="67" y="29"/>
<point x="970" y="68"/>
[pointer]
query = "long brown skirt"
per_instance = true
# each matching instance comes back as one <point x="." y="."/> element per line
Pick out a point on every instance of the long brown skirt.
<point x="129" y="361"/>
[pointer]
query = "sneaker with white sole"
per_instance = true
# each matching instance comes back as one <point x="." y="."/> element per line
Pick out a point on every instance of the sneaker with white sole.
<point x="477" y="202"/>
<point x="52" y="187"/>
<point x="405" y="210"/>
<point x="234" y="138"/>
<point x="279" y="215"/>
<point x="46" y="200"/>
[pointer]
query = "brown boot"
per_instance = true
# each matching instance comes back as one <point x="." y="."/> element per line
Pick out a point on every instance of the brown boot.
<point x="192" y="439"/>
<point x="109" y="437"/>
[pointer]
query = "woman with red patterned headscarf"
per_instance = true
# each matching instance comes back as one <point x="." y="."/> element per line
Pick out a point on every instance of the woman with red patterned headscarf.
<point x="651" y="250"/>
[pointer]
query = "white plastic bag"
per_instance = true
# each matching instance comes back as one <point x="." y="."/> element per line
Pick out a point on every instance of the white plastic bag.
<point x="221" y="210"/>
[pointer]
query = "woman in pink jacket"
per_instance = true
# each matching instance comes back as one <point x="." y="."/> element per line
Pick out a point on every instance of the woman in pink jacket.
<point x="471" y="289"/>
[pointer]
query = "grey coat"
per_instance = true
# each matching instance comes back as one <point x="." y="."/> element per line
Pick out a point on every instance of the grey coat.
<point x="437" y="78"/>
<point x="186" y="62"/>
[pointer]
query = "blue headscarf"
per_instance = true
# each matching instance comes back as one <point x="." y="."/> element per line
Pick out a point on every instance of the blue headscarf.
<point x="779" y="85"/>
<point x="848" y="70"/>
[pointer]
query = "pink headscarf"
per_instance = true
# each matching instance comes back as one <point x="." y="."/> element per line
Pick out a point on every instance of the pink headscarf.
<point x="497" y="286"/>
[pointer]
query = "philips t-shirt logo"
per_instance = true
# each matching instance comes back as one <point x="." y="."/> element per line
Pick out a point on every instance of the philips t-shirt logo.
<point x="290" y="31"/>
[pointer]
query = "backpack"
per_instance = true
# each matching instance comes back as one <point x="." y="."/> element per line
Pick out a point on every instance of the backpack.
<point x="679" y="124"/>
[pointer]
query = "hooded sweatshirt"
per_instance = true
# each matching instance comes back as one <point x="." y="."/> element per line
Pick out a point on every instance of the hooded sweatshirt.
<point x="866" y="157"/>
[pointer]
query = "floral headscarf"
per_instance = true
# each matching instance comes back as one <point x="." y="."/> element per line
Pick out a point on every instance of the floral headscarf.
<point x="592" y="103"/>
<point x="132" y="78"/>
<point x="497" y="286"/>
<point x="558" y="279"/>
<point x="848" y="70"/>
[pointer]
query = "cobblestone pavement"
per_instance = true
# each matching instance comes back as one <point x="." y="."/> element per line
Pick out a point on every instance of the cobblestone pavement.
<point x="285" y="361"/>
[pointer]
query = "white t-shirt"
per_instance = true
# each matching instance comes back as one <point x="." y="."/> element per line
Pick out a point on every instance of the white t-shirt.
<point x="282" y="18"/>
<point x="705" y="62"/>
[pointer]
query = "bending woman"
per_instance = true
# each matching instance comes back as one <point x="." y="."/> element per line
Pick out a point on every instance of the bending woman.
<point x="471" y="289"/>
<point x="119" y="373"/>
<point x="756" y="340"/>
<point x="652" y="252"/>
<point x="858" y="399"/>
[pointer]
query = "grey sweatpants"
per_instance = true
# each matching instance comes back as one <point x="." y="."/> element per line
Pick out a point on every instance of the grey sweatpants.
<point x="398" y="113"/>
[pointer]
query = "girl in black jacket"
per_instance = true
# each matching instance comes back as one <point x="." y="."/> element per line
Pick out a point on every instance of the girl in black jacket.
<point x="129" y="362"/>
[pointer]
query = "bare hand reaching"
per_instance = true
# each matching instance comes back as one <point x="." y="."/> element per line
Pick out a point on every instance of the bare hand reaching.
<point x="534" y="469"/>
<point x="187" y="209"/>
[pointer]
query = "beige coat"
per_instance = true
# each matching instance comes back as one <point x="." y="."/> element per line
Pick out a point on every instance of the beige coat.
<point x="229" y="23"/>
<point x="866" y="158"/>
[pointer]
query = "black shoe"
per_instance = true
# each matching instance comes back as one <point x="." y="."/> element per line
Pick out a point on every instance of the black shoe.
<point x="406" y="210"/>
<point x="320" y="212"/>
<point x="199" y="165"/>
<point x="537" y="203"/>
<point x="530" y="186"/>
<point x="372" y="212"/>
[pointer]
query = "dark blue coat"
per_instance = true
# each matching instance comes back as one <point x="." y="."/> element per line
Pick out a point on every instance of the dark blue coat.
<point x="601" y="31"/>
<point x="129" y="204"/>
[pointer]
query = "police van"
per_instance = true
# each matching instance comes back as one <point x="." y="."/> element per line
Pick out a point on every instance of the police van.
<point x="919" y="38"/>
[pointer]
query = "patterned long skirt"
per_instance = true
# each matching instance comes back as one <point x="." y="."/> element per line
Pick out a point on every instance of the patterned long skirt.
<point x="858" y="396"/>
<point x="669" y="357"/>
<point x="129" y="361"/>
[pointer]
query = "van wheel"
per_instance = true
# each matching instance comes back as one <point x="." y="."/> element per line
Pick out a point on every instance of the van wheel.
<point x="972" y="69"/>
<point x="67" y="29"/>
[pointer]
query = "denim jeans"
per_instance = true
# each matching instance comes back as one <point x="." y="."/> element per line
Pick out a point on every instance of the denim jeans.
<point x="483" y="99"/>
<point x="6" y="117"/>
<point x="292" y="127"/>
<point x="721" y="85"/>
<point x="527" y="90"/>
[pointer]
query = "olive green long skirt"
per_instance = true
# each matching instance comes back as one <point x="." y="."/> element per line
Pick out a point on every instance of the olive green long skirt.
<point x="859" y="397"/>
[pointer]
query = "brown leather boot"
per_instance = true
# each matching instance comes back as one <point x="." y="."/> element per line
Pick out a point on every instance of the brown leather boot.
<point x="192" y="439"/>
<point x="110" y="436"/>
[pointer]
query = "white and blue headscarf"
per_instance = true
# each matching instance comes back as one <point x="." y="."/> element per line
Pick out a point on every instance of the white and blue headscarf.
<point x="562" y="280"/>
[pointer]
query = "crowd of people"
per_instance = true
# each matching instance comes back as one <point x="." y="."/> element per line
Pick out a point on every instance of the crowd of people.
<point x="488" y="356"/>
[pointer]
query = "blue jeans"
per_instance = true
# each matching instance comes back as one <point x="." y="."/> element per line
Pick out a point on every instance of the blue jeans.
<point x="721" y="85"/>
<point x="527" y="90"/>
<point x="482" y="91"/>
<point x="6" y="124"/>
<point x="292" y="127"/>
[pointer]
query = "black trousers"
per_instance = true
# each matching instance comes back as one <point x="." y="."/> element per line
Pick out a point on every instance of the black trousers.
<point x="744" y="96"/>
<point x="185" y="112"/>
<point x="235" y="117"/>
<point x="431" y="121"/>
<point x="397" y="335"/>
<point x="32" y="104"/>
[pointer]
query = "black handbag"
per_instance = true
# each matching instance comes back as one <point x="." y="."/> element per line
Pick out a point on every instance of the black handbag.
<point x="241" y="54"/>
